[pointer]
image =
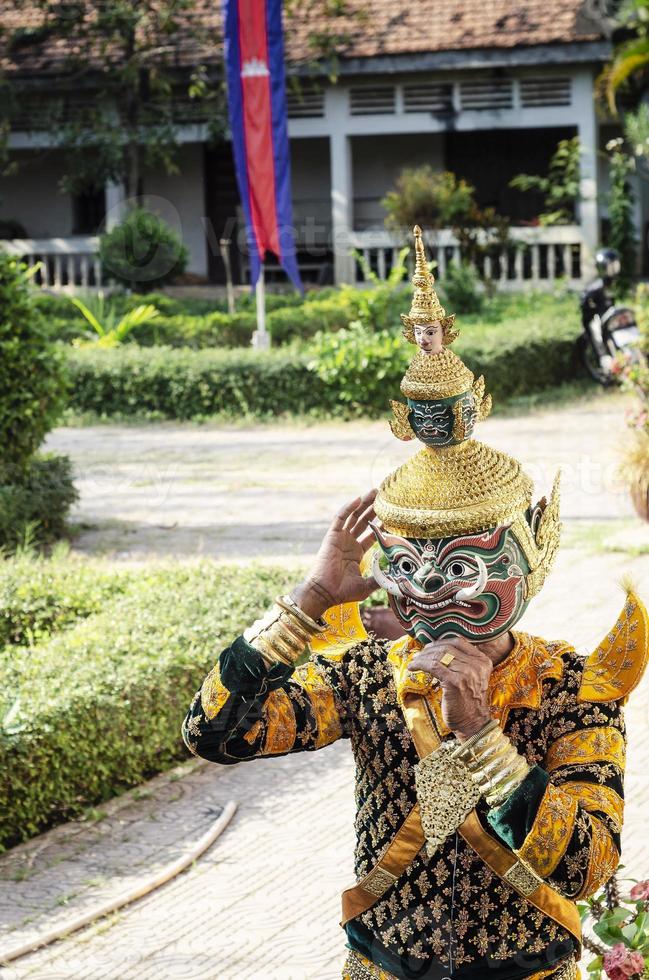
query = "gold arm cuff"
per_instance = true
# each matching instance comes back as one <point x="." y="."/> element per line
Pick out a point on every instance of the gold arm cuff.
<point x="478" y="737"/>
<point x="312" y="626"/>
<point x="283" y="633"/>
<point x="493" y="762"/>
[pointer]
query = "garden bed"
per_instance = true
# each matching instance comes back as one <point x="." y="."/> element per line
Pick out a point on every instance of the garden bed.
<point x="97" y="671"/>
<point x="350" y="372"/>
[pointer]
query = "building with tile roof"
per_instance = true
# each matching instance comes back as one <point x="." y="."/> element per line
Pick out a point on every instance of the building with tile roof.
<point x="485" y="89"/>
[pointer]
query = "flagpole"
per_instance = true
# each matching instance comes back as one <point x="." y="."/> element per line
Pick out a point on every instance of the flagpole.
<point x="261" y="337"/>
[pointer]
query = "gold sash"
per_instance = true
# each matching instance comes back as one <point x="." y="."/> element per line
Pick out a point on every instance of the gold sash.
<point x="410" y="839"/>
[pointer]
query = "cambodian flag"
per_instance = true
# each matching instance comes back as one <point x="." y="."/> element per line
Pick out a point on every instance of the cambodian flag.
<point x="254" y="59"/>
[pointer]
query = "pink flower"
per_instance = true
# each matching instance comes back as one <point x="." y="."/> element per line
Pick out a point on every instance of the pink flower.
<point x="621" y="964"/>
<point x="640" y="891"/>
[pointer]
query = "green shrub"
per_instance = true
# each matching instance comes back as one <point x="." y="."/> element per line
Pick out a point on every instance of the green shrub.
<point x="170" y="305"/>
<point x="38" y="504"/>
<point x="98" y="708"/>
<point x="166" y="382"/>
<point x="356" y="370"/>
<point x="32" y="385"/>
<point x="461" y="288"/>
<point x="40" y="596"/>
<point x="142" y="252"/>
<point x="215" y="329"/>
<point x="363" y="366"/>
<point x="305" y="321"/>
<point x="247" y="302"/>
<point x="514" y="365"/>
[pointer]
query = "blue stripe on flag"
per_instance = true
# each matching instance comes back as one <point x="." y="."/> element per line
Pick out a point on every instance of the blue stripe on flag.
<point x="281" y="151"/>
<point x="235" y="105"/>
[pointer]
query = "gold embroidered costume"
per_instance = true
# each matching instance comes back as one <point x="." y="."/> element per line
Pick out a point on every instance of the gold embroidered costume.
<point x="469" y="855"/>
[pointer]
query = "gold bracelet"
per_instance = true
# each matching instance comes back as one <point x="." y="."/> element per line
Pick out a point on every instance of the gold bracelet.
<point x="495" y="765"/>
<point x="283" y="634"/>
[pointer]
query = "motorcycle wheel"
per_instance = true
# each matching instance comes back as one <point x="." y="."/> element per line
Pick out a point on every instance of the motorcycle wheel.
<point x="590" y="360"/>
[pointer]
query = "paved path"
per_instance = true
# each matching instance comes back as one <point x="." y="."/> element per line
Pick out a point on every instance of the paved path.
<point x="265" y="491"/>
<point x="263" y="902"/>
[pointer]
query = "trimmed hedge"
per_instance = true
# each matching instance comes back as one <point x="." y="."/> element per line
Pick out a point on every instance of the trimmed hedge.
<point x="40" y="596"/>
<point x="98" y="708"/>
<point x="354" y="371"/>
<point x="166" y="382"/>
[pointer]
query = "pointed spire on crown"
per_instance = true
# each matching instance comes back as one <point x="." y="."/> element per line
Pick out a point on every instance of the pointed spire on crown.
<point x="426" y="307"/>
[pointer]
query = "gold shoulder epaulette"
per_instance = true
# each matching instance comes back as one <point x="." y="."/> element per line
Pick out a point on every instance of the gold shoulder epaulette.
<point x="617" y="665"/>
<point x="345" y="628"/>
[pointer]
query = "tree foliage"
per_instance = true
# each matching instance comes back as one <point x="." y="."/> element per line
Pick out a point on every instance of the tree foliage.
<point x="31" y="374"/>
<point x="621" y="202"/>
<point x="131" y="73"/>
<point x="629" y="67"/>
<point x="560" y="186"/>
<point x="440" y="199"/>
<point x="122" y="91"/>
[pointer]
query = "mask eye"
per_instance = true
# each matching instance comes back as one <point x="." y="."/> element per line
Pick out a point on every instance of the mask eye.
<point x="459" y="569"/>
<point x="406" y="566"/>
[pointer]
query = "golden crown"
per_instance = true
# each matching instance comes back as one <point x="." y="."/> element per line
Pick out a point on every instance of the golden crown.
<point x="467" y="487"/>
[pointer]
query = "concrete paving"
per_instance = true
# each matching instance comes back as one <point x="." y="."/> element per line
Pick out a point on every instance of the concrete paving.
<point x="263" y="901"/>
<point x="269" y="490"/>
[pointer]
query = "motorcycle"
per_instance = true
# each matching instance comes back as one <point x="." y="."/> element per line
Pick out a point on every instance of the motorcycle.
<point x="608" y="330"/>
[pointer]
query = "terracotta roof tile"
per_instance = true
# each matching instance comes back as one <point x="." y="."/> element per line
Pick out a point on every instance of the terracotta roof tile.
<point x="388" y="27"/>
<point x="376" y="27"/>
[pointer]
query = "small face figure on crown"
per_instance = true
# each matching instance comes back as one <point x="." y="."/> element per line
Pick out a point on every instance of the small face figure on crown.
<point x="429" y="337"/>
<point x="444" y="421"/>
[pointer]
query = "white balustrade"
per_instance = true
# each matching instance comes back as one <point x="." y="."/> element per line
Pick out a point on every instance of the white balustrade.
<point x="65" y="264"/>
<point x="534" y="258"/>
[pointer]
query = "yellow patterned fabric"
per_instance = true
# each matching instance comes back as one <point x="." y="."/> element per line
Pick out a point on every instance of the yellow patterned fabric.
<point x="592" y="796"/>
<point x="516" y="682"/>
<point x="604" y="859"/>
<point x="313" y="682"/>
<point x="551" y="831"/>
<point x="213" y="693"/>
<point x="280" y="723"/>
<point x="605" y="744"/>
<point x="345" y="628"/>
<point x="617" y="665"/>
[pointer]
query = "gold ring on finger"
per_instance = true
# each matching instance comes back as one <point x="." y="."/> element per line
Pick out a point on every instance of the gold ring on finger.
<point x="447" y="659"/>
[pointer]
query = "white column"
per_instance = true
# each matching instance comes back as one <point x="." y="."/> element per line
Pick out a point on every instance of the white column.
<point x="342" y="185"/>
<point x="115" y="203"/>
<point x="584" y="98"/>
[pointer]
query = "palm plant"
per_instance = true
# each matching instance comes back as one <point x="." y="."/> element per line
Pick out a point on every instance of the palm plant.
<point x="103" y="319"/>
<point x="631" y="56"/>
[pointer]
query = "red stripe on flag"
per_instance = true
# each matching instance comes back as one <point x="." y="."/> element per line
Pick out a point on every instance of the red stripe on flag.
<point x="258" y="123"/>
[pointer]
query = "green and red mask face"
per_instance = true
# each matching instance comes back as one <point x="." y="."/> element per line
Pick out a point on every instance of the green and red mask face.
<point x="472" y="585"/>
